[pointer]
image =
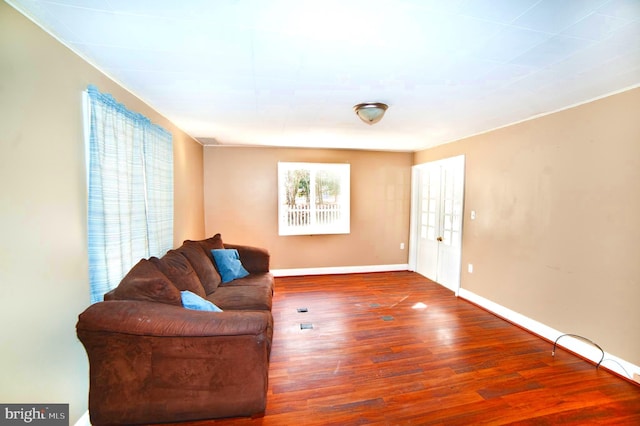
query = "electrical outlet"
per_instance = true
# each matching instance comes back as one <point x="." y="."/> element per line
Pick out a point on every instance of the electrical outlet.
<point x="401" y="246"/>
<point x="470" y="268"/>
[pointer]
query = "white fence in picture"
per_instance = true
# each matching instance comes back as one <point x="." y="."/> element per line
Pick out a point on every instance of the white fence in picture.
<point x="321" y="214"/>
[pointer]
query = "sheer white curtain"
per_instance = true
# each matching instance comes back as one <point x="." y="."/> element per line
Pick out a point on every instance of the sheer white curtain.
<point x="130" y="174"/>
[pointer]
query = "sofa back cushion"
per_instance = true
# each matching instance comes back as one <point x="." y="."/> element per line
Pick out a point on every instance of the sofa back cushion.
<point x="212" y="243"/>
<point x="179" y="270"/>
<point x="202" y="264"/>
<point x="146" y="282"/>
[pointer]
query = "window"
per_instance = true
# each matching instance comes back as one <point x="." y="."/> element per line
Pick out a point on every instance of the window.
<point x="130" y="186"/>
<point x="313" y="198"/>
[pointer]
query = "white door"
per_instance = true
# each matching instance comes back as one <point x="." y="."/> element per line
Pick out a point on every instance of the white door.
<point x="436" y="234"/>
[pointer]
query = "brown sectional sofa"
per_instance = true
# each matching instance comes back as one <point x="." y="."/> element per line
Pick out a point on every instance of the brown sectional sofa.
<point x="154" y="361"/>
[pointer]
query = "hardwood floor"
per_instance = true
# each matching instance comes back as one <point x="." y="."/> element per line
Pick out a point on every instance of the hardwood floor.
<point x="394" y="348"/>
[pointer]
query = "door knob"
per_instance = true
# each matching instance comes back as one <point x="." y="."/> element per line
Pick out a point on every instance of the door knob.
<point x="439" y="239"/>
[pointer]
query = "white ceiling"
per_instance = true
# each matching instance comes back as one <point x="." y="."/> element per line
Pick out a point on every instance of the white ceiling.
<point x="288" y="72"/>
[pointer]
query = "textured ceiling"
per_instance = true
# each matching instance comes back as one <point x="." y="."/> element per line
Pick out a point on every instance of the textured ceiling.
<point x="287" y="73"/>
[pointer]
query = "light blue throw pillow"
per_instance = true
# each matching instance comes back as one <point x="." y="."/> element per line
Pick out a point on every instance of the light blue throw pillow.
<point x="229" y="266"/>
<point x="193" y="301"/>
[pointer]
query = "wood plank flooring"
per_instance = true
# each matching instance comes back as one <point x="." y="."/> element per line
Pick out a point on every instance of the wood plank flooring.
<point x="395" y="348"/>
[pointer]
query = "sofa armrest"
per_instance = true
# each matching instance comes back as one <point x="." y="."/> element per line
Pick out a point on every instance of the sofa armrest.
<point x="254" y="259"/>
<point x="157" y="363"/>
<point x="160" y="319"/>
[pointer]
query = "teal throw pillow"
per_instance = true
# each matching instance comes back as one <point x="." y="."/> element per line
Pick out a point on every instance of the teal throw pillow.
<point x="193" y="301"/>
<point x="228" y="263"/>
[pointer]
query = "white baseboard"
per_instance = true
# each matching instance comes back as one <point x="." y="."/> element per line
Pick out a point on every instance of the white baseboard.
<point x="584" y="349"/>
<point x="84" y="420"/>
<point x="333" y="270"/>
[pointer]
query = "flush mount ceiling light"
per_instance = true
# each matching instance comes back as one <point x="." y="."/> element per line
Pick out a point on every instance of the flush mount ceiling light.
<point x="370" y="112"/>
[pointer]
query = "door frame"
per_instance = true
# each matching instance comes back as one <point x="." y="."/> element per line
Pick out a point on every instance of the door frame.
<point x="415" y="211"/>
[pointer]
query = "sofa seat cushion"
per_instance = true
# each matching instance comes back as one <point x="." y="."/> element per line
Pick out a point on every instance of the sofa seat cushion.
<point x="202" y="264"/>
<point x="178" y="269"/>
<point x="241" y="298"/>
<point x="147" y="283"/>
<point x="264" y="280"/>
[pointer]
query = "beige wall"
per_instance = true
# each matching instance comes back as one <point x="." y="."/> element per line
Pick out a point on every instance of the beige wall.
<point x="557" y="234"/>
<point x="188" y="194"/>
<point x="43" y="253"/>
<point x="241" y="203"/>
